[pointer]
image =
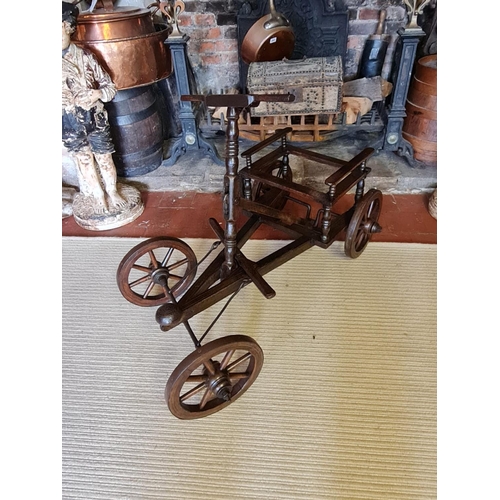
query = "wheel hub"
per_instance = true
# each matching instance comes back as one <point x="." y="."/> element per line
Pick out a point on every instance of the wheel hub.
<point x="219" y="384"/>
<point x="371" y="227"/>
<point x="160" y="276"/>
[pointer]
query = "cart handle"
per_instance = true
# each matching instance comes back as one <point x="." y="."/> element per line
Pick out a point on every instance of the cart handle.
<point x="343" y="172"/>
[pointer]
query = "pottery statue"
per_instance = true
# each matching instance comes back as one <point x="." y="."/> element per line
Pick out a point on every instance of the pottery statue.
<point x="101" y="203"/>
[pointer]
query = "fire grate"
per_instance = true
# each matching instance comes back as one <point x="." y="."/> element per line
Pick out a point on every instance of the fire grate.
<point x="306" y="128"/>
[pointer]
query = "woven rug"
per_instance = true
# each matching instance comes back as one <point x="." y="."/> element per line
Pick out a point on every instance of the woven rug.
<point x="344" y="407"/>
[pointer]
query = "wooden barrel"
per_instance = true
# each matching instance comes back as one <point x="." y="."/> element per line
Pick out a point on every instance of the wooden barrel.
<point x="136" y="130"/>
<point x="420" y="124"/>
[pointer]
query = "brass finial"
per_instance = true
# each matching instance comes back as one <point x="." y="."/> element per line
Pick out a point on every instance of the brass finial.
<point x="414" y="9"/>
<point x="172" y="10"/>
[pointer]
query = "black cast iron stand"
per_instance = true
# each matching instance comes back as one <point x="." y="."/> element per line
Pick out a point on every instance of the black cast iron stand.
<point x="191" y="138"/>
<point x="404" y="59"/>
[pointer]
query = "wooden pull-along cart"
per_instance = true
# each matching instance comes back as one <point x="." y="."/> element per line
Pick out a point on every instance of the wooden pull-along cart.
<point x="161" y="271"/>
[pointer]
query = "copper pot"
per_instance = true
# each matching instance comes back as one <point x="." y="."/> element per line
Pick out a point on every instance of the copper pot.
<point x="127" y="43"/>
<point x="271" y="38"/>
<point x="121" y="22"/>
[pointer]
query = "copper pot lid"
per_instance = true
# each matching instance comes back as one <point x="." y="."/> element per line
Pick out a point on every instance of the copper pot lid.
<point x="117" y="14"/>
<point x="119" y="23"/>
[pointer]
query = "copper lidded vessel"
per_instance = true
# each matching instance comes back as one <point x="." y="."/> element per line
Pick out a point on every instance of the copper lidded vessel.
<point x="127" y="43"/>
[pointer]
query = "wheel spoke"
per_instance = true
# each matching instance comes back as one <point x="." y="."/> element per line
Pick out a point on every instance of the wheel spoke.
<point x="144" y="269"/>
<point x="226" y="359"/>
<point x="360" y="240"/>
<point x="175" y="277"/>
<point x="209" y="365"/>
<point x="205" y="399"/>
<point x="240" y="360"/>
<point x="196" y="379"/>
<point x="370" y="209"/>
<point x="139" y="281"/>
<point x="154" y="262"/>
<point x="169" y="253"/>
<point x="177" y="264"/>
<point x="238" y="376"/>
<point x="192" y="392"/>
<point x="360" y="235"/>
<point x="148" y="289"/>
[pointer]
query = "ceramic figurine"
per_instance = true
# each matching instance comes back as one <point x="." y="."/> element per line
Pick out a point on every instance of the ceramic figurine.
<point x="102" y="203"/>
<point x="433" y="202"/>
<point x="68" y="196"/>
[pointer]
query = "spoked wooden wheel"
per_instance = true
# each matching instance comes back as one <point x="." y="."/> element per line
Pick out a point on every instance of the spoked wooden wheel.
<point x="213" y="376"/>
<point x="259" y="189"/>
<point x="363" y="224"/>
<point x="153" y="267"/>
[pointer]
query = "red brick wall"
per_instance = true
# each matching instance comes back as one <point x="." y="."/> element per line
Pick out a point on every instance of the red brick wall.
<point x="363" y="22"/>
<point x="213" y="45"/>
<point x="213" y="49"/>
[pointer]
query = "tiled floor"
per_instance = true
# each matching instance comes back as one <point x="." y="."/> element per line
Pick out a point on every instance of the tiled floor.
<point x="404" y="218"/>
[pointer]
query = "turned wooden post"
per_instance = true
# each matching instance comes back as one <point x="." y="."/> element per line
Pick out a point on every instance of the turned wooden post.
<point x="230" y="179"/>
<point x="360" y="187"/>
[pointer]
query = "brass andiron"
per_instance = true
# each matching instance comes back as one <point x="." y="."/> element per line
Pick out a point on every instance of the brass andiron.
<point x="172" y="10"/>
<point x="414" y="8"/>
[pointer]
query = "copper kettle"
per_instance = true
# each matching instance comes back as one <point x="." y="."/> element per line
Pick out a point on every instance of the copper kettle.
<point x="127" y="43"/>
